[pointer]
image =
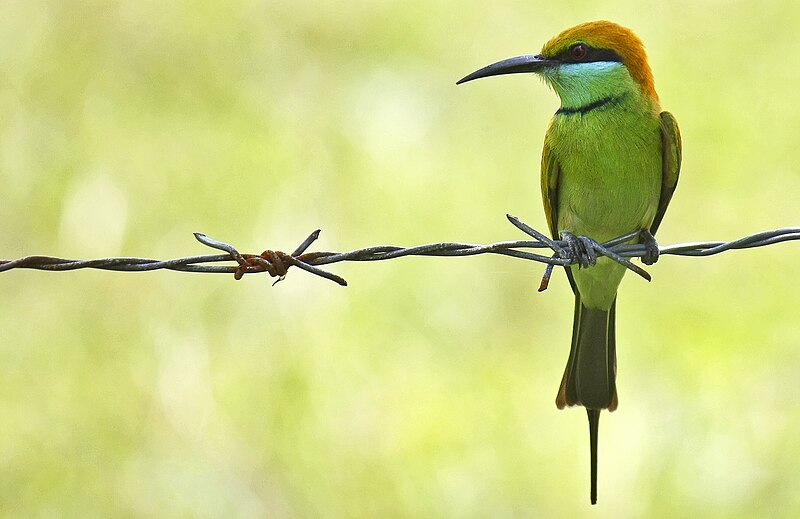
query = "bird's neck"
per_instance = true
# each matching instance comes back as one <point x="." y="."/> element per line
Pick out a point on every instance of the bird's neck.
<point x="585" y="87"/>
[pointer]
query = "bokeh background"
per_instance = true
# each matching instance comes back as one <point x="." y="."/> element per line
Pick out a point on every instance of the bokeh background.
<point x="425" y="388"/>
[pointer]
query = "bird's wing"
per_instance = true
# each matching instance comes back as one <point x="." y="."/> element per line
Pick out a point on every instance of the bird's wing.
<point x="670" y="164"/>
<point x="550" y="172"/>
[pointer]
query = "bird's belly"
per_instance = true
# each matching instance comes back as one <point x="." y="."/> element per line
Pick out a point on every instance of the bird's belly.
<point x="606" y="197"/>
<point x="606" y="189"/>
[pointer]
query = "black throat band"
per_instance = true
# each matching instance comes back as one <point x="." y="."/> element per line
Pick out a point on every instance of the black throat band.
<point x="585" y="109"/>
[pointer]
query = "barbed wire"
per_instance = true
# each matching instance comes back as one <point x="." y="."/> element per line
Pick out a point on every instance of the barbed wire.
<point x="580" y="250"/>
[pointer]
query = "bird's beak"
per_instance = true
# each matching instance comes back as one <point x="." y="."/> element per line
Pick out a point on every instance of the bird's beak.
<point x="518" y="65"/>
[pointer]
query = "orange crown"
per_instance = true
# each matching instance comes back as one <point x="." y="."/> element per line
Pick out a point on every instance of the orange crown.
<point x="609" y="35"/>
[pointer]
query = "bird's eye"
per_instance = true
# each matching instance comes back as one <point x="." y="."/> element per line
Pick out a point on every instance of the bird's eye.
<point x="578" y="51"/>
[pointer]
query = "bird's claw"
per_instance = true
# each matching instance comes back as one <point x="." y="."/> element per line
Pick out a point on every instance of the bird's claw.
<point x="651" y="247"/>
<point x="582" y="249"/>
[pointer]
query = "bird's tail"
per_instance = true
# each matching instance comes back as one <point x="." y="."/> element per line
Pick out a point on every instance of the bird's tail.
<point x="594" y="424"/>
<point x="589" y="379"/>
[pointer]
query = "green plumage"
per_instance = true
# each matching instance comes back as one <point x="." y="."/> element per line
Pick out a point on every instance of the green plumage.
<point x="606" y="171"/>
<point x="604" y="174"/>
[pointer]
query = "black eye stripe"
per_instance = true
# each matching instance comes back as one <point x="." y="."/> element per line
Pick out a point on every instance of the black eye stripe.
<point x="592" y="55"/>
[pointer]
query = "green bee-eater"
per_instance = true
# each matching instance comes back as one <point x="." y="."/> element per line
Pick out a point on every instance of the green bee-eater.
<point x="609" y="166"/>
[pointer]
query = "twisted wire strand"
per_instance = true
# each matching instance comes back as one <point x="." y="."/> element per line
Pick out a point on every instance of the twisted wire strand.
<point x="277" y="263"/>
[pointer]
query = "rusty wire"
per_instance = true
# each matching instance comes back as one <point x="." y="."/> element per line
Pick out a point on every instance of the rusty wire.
<point x="276" y="263"/>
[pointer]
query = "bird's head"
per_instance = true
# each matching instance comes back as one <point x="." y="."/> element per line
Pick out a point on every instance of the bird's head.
<point x="585" y="63"/>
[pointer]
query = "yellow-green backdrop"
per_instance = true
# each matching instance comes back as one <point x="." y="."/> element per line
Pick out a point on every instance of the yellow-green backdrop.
<point x="424" y="389"/>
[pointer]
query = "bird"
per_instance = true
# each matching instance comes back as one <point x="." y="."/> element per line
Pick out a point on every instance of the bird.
<point x="610" y="164"/>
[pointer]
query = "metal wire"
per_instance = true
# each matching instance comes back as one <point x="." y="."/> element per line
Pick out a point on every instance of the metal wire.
<point x="276" y="263"/>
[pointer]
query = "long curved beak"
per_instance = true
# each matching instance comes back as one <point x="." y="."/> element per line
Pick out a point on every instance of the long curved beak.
<point x="518" y="65"/>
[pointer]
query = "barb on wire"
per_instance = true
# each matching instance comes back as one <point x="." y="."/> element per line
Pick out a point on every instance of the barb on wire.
<point x="580" y="250"/>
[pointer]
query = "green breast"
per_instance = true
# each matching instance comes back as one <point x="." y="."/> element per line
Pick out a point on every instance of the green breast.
<point x="610" y="168"/>
<point x="609" y="182"/>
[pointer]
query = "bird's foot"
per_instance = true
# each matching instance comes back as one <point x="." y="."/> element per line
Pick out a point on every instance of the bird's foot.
<point x="582" y="249"/>
<point x="651" y="247"/>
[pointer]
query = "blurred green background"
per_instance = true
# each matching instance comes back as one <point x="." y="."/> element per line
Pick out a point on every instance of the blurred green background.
<point x="424" y="389"/>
